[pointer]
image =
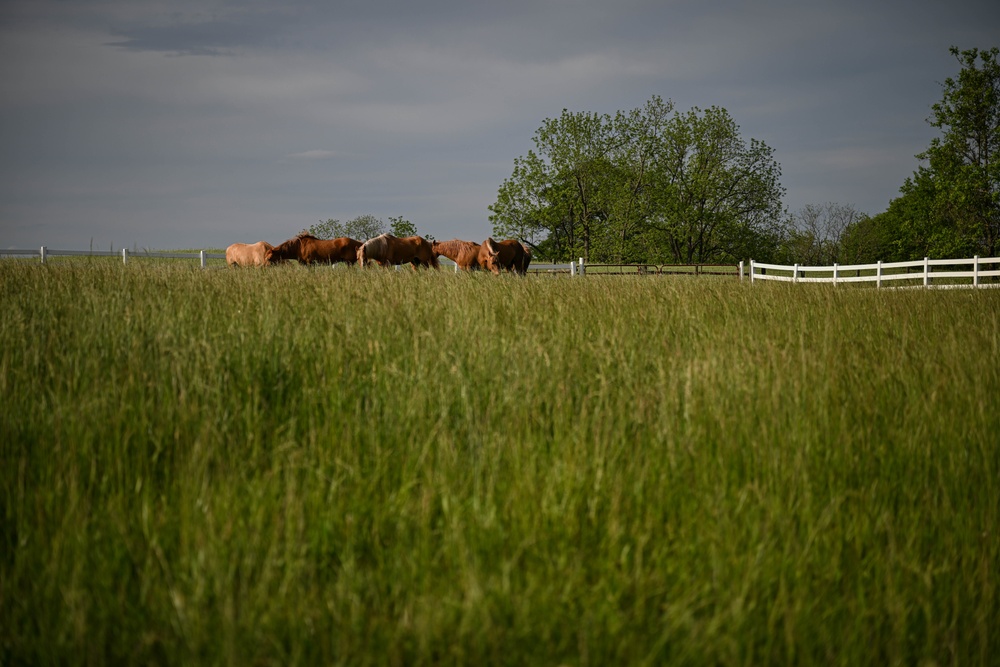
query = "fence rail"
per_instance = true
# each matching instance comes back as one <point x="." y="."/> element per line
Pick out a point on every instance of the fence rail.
<point x="929" y="273"/>
<point x="45" y="252"/>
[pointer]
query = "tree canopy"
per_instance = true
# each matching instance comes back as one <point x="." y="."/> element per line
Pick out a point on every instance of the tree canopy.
<point x="647" y="185"/>
<point x="361" y="228"/>
<point x="815" y="234"/>
<point x="950" y="207"/>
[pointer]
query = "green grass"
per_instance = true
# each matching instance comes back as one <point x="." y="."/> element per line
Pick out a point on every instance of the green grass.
<point x="291" y="466"/>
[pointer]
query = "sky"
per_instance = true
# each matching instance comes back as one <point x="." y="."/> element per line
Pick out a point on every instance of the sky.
<point x="184" y="124"/>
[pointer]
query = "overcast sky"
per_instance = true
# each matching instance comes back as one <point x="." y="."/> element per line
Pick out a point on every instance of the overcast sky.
<point x="191" y="124"/>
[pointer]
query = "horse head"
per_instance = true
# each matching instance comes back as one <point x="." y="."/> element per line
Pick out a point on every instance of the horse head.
<point x="491" y="256"/>
<point x="286" y="250"/>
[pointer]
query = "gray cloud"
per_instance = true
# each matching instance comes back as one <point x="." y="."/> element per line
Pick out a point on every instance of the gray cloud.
<point x="172" y="124"/>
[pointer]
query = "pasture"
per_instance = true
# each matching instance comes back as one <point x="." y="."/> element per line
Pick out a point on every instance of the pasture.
<point x="315" y="466"/>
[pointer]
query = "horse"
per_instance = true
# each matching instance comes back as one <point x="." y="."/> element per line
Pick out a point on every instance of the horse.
<point x="463" y="253"/>
<point x="388" y="249"/>
<point x="308" y="249"/>
<point x="248" y="254"/>
<point x="509" y="255"/>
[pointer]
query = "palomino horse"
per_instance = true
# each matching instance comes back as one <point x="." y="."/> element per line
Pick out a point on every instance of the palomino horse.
<point x="248" y="254"/>
<point x="388" y="249"/>
<point x="463" y="253"/>
<point x="509" y="255"/>
<point x="308" y="249"/>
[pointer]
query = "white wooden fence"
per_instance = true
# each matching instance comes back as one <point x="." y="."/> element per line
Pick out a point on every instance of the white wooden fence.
<point x="44" y="253"/>
<point x="932" y="273"/>
<point x="572" y="268"/>
<point x="938" y="273"/>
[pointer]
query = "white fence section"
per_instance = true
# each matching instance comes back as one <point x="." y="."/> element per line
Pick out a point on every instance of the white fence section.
<point x="939" y="273"/>
<point x="44" y="253"/>
<point x="555" y="268"/>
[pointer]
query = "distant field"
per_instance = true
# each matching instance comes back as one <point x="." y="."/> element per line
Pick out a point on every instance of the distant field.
<point x="313" y="466"/>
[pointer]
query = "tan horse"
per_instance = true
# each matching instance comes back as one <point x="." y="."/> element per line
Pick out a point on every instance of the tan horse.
<point x="509" y="255"/>
<point x="248" y="254"/>
<point x="308" y="249"/>
<point x="388" y="250"/>
<point x="463" y="253"/>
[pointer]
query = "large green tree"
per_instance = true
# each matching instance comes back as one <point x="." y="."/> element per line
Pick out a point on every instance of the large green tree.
<point x="964" y="163"/>
<point x="647" y="185"/>
<point x="950" y="207"/>
<point x="561" y="193"/>
<point x="715" y="193"/>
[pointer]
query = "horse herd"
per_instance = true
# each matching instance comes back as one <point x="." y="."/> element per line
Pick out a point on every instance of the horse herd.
<point x="386" y="250"/>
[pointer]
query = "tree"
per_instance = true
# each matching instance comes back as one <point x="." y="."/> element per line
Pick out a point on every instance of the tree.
<point x="562" y="195"/>
<point x="361" y="228"/>
<point x="923" y="224"/>
<point x="716" y="193"/>
<point x="523" y="210"/>
<point x="401" y="227"/>
<point x="646" y="185"/>
<point x="365" y="227"/>
<point x="330" y="229"/>
<point x="816" y="233"/>
<point x="865" y="241"/>
<point x="960" y="186"/>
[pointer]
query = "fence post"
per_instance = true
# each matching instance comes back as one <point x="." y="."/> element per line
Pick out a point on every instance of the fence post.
<point x="795" y="274"/>
<point x="42" y="253"/>
<point x="927" y="272"/>
<point x="975" y="271"/>
<point x="751" y="272"/>
<point x="741" y="270"/>
<point x="572" y="268"/>
<point x="581" y="266"/>
<point x="835" y="267"/>
<point x="124" y="255"/>
<point x="878" y="274"/>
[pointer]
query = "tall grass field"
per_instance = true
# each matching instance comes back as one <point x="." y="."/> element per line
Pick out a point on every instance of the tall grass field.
<point x="323" y="466"/>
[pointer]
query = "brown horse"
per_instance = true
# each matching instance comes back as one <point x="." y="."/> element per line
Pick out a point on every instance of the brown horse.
<point x="308" y="249"/>
<point x="388" y="249"/>
<point x="248" y="254"/>
<point x="509" y="255"/>
<point x="463" y="253"/>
